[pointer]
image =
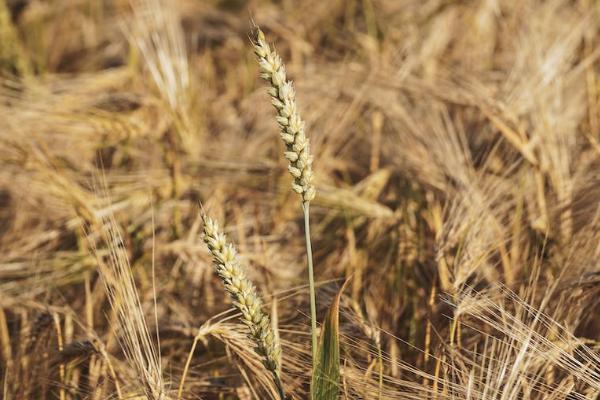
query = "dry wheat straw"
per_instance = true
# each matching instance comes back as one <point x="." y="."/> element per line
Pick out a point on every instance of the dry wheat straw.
<point x="137" y="344"/>
<point x="245" y="298"/>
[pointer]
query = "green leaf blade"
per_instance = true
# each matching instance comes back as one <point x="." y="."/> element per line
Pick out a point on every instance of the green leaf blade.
<point x="325" y="383"/>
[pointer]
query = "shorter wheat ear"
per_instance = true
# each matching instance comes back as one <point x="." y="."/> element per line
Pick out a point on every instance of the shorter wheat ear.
<point x="245" y="298"/>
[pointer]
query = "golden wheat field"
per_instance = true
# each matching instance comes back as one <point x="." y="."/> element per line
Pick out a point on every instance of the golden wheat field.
<point x="316" y="199"/>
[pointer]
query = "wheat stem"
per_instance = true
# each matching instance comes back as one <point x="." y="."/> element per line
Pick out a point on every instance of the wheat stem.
<point x="311" y="282"/>
<point x="186" y="368"/>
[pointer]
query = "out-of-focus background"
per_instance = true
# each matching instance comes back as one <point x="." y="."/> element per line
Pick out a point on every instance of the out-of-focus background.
<point x="457" y="155"/>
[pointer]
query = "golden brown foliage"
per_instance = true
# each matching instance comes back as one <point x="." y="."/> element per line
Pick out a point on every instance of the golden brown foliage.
<point x="456" y="154"/>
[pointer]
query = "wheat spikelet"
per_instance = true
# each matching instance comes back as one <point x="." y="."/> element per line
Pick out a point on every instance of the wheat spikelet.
<point x="244" y="295"/>
<point x="283" y="98"/>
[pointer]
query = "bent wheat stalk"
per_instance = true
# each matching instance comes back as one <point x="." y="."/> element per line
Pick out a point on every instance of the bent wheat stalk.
<point x="245" y="299"/>
<point x="283" y="98"/>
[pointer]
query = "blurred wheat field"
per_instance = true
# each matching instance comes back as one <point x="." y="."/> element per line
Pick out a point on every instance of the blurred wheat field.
<point x="457" y="170"/>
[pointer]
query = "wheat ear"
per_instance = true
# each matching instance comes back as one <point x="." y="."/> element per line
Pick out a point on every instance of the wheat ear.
<point x="283" y="98"/>
<point x="245" y="298"/>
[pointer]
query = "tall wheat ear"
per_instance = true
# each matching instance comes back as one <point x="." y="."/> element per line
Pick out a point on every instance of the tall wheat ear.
<point x="283" y="98"/>
<point x="245" y="298"/>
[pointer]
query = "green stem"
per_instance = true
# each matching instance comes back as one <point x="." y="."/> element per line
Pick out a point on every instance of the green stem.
<point x="279" y="385"/>
<point x="311" y="283"/>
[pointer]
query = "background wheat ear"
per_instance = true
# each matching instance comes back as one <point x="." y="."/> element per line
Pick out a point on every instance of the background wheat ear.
<point x="245" y="298"/>
<point x="12" y="57"/>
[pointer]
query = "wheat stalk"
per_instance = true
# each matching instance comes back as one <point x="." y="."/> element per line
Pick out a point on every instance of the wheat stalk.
<point x="245" y="298"/>
<point x="283" y="98"/>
